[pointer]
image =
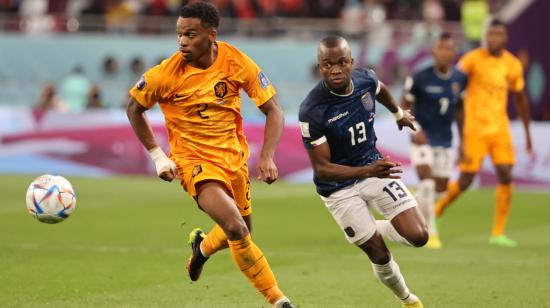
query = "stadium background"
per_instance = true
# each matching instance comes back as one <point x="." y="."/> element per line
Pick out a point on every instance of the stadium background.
<point x="82" y="56"/>
<point x="123" y="247"/>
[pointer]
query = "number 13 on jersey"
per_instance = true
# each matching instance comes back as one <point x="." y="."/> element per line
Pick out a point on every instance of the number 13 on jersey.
<point x="359" y="130"/>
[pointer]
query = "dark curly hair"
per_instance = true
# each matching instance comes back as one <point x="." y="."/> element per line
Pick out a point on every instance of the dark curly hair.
<point x="206" y="12"/>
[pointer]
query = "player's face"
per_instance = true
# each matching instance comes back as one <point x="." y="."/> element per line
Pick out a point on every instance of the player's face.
<point x="335" y="65"/>
<point x="444" y="53"/>
<point x="496" y="38"/>
<point x="194" y="38"/>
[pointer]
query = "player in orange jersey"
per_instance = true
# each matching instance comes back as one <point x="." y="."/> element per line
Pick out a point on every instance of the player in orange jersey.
<point x="492" y="71"/>
<point x="197" y="89"/>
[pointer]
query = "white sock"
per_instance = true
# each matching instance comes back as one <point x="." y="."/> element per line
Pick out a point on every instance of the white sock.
<point x="390" y="275"/>
<point x="426" y="201"/>
<point x="388" y="231"/>
<point x="280" y="302"/>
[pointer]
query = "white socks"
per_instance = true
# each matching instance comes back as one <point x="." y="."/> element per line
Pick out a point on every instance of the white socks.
<point x="426" y="201"/>
<point x="387" y="230"/>
<point x="390" y="275"/>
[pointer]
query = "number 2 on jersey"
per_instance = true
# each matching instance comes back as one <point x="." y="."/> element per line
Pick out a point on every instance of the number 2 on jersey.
<point x="361" y="133"/>
<point x="202" y="108"/>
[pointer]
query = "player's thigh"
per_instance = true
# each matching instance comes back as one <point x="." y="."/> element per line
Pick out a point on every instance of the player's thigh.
<point x="501" y="150"/>
<point x="201" y="172"/>
<point x="443" y="162"/>
<point x="240" y="183"/>
<point x="389" y="197"/>
<point x="214" y="200"/>
<point x="351" y="214"/>
<point x="474" y="150"/>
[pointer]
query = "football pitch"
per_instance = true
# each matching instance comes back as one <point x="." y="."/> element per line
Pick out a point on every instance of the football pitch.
<point x="125" y="246"/>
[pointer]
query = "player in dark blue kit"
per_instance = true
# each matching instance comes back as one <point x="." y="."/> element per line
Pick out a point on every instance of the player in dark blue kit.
<point x="434" y="96"/>
<point x="336" y="121"/>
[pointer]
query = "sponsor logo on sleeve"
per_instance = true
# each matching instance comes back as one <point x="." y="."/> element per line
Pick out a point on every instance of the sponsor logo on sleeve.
<point x="264" y="81"/>
<point x="141" y="83"/>
<point x="304" y="127"/>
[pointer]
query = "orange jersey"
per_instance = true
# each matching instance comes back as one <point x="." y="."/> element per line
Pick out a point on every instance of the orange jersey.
<point x="489" y="79"/>
<point x="202" y="107"/>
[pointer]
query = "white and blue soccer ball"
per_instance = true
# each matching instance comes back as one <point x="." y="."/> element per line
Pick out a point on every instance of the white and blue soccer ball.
<point x="51" y="199"/>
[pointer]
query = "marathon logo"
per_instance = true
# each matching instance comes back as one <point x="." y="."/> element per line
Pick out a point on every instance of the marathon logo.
<point x="338" y="117"/>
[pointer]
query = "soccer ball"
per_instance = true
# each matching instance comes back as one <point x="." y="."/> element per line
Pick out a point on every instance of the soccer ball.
<point x="50" y="198"/>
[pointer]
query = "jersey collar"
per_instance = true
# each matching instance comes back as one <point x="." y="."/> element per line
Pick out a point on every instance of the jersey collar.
<point x="341" y="95"/>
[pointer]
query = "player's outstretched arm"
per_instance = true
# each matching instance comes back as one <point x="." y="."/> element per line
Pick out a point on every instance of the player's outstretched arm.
<point x="274" y="124"/>
<point x="166" y="169"/>
<point x="327" y="171"/>
<point x="522" y="106"/>
<point x="402" y="117"/>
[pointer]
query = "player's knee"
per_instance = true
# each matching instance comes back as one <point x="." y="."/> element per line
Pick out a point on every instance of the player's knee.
<point x="505" y="177"/>
<point x="235" y="230"/>
<point x="419" y="238"/>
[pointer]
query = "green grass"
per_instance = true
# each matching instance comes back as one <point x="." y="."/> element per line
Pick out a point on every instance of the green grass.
<point x="125" y="247"/>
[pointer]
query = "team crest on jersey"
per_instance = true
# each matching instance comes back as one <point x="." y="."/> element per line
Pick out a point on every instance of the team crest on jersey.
<point x="220" y="89"/>
<point x="455" y="86"/>
<point x="367" y="101"/>
<point x="264" y="81"/>
<point x="196" y="171"/>
<point x="141" y="83"/>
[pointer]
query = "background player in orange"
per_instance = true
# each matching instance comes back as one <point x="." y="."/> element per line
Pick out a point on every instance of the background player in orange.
<point x="491" y="71"/>
<point x="197" y="89"/>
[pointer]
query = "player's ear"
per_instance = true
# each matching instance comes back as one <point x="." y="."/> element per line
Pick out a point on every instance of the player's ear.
<point x="352" y="61"/>
<point x="213" y="35"/>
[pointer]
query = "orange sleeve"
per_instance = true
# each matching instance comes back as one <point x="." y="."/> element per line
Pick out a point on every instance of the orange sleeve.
<point x="466" y="63"/>
<point x="515" y="79"/>
<point x="256" y="84"/>
<point x="147" y="90"/>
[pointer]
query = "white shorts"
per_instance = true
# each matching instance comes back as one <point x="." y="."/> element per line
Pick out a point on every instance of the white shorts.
<point x="440" y="159"/>
<point x="350" y="206"/>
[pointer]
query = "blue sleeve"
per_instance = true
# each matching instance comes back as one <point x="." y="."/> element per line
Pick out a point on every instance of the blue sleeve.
<point x="311" y="128"/>
<point x="370" y="76"/>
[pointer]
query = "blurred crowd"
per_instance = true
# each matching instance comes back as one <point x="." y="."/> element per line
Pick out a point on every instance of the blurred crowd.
<point x="78" y="92"/>
<point x="121" y="14"/>
<point x="395" y="9"/>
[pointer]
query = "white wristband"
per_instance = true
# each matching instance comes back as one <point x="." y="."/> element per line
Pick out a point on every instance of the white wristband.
<point x="162" y="162"/>
<point x="399" y="114"/>
<point x="157" y="154"/>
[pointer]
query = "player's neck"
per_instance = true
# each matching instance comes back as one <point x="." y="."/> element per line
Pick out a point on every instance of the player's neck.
<point x="345" y="92"/>
<point x="495" y="53"/>
<point x="207" y="59"/>
<point x="442" y="70"/>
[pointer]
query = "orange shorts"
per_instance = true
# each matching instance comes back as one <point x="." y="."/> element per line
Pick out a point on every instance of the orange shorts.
<point x="499" y="147"/>
<point x="237" y="183"/>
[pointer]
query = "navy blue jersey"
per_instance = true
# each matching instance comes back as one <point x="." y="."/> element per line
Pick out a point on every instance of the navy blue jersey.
<point x="345" y="122"/>
<point x="435" y="98"/>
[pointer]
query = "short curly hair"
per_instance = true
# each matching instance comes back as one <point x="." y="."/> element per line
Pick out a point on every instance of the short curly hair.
<point x="206" y="12"/>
